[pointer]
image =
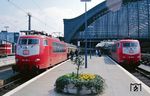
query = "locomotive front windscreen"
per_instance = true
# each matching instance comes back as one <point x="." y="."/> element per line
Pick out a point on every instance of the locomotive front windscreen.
<point x="130" y="44"/>
<point x="131" y="48"/>
<point x="25" y="41"/>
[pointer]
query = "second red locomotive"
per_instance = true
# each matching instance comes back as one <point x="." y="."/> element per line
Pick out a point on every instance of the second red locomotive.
<point x="38" y="52"/>
<point x="126" y="52"/>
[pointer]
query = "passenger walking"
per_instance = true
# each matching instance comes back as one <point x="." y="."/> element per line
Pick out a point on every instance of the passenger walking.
<point x="96" y="52"/>
<point x="99" y="53"/>
<point x="76" y="53"/>
<point x="71" y="54"/>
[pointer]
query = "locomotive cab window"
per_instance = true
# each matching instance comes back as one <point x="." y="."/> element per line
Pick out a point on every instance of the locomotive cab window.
<point x="45" y="42"/>
<point x="126" y="44"/>
<point x="130" y="44"/>
<point x="33" y="41"/>
<point x="24" y="41"/>
<point x="134" y="44"/>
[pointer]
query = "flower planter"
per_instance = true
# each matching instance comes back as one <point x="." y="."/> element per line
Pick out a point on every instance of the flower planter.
<point x="70" y="89"/>
<point x="83" y="85"/>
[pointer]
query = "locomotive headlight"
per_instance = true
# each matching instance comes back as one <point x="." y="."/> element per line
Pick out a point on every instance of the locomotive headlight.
<point x="123" y="57"/>
<point x="36" y="60"/>
<point x="139" y="56"/>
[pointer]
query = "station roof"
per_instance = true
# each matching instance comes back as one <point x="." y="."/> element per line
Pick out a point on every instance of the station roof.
<point x="74" y="25"/>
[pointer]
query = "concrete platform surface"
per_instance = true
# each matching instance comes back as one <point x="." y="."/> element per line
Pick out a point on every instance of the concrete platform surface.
<point x="144" y="67"/>
<point x="118" y="81"/>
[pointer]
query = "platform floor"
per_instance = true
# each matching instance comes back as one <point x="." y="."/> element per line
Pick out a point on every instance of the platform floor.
<point x="144" y="67"/>
<point x="118" y="81"/>
<point x="7" y="61"/>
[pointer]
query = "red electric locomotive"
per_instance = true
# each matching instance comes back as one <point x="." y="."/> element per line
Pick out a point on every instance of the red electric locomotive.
<point x="126" y="52"/>
<point x="38" y="52"/>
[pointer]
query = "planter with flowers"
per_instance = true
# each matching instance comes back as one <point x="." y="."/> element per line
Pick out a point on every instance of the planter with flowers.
<point x="79" y="83"/>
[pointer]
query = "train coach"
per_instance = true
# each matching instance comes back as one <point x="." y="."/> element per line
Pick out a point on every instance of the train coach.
<point x="126" y="52"/>
<point x="5" y="49"/>
<point x="38" y="52"/>
<point x="71" y="47"/>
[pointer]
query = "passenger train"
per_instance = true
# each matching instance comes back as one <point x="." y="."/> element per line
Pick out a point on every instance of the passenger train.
<point x="126" y="52"/>
<point x="38" y="52"/>
<point x="70" y="47"/>
<point x="5" y="49"/>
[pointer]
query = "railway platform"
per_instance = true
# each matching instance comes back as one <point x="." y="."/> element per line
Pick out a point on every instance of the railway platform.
<point x="9" y="60"/>
<point x="118" y="81"/>
<point x="144" y="67"/>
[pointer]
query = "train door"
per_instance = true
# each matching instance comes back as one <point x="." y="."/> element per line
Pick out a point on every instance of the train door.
<point x="46" y="52"/>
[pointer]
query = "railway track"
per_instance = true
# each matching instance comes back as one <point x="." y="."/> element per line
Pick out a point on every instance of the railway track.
<point x="10" y="80"/>
<point x="18" y="80"/>
<point x="143" y="72"/>
<point x="3" y="68"/>
<point x="9" y="85"/>
<point x="142" y="75"/>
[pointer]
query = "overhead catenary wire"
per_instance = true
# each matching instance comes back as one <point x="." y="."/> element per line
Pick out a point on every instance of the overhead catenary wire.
<point x="17" y="7"/>
<point x="37" y="5"/>
<point x="34" y="17"/>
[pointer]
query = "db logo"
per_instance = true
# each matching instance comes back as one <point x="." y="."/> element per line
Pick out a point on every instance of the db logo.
<point x="131" y="50"/>
<point x="25" y="52"/>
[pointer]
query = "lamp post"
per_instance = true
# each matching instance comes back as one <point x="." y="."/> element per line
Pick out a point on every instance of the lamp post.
<point x="90" y="28"/>
<point x="85" y="30"/>
<point x="6" y="38"/>
<point x="6" y="27"/>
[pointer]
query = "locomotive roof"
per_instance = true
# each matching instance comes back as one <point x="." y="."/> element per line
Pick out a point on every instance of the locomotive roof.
<point x="127" y="40"/>
<point x="33" y="36"/>
<point x="40" y="36"/>
<point x="37" y="36"/>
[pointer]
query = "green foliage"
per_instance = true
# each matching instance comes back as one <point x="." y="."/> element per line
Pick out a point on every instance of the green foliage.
<point x="61" y="82"/>
<point x="79" y="61"/>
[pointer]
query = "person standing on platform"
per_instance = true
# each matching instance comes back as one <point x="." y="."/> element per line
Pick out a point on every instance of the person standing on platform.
<point x="96" y="52"/>
<point x="99" y="53"/>
<point x="76" y="53"/>
<point x="71" y="54"/>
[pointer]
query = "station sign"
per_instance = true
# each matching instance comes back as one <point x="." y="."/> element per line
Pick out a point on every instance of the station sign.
<point x="85" y="0"/>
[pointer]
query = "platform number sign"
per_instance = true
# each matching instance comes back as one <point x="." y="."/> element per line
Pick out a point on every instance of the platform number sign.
<point x="135" y="87"/>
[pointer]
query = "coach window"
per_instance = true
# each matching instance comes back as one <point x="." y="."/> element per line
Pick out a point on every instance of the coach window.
<point x="118" y="45"/>
<point x="54" y="47"/>
<point x="45" y="43"/>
